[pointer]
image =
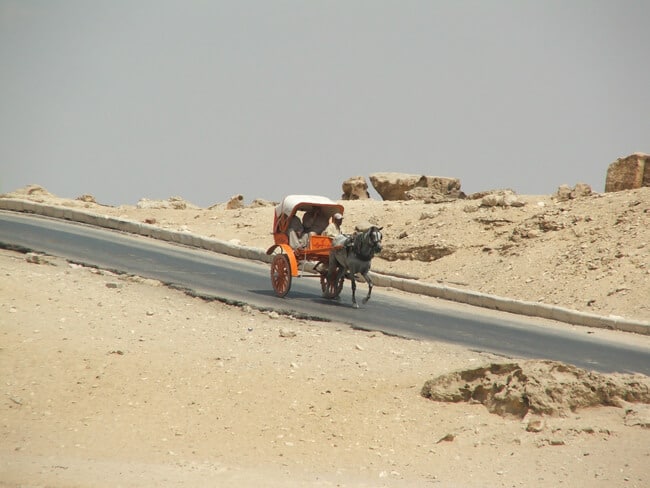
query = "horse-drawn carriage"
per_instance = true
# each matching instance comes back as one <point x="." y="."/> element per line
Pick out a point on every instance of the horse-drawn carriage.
<point x="313" y="254"/>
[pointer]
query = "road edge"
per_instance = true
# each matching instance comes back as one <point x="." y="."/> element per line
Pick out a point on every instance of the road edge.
<point x="477" y="299"/>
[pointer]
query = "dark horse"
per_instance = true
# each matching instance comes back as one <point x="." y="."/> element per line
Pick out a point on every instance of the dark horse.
<point x="354" y="257"/>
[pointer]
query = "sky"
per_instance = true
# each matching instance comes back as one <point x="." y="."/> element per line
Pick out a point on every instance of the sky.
<point x="206" y="99"/>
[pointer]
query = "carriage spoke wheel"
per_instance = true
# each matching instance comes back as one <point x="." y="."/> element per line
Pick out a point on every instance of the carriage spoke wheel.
<point x="280" y="274"/>
<point x="332" y="289"/>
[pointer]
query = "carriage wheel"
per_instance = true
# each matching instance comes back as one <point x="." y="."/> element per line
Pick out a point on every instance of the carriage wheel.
<point x="280" y="274"/>
<point x="332" y="289"/>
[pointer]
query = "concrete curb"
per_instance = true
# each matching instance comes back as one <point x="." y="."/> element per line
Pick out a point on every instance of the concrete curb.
<point x="532" y="309"/>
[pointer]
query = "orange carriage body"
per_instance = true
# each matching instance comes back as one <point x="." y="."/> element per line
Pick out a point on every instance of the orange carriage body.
<point x="318" y="246"/>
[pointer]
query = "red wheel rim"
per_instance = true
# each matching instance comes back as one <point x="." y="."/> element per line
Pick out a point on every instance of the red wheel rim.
<point x="332" y="289"/>
<point x="280" y="275"/>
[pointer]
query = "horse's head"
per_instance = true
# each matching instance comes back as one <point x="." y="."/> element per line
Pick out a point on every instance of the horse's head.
<point x="367" y="243"/>
<point x="374" y="238"/>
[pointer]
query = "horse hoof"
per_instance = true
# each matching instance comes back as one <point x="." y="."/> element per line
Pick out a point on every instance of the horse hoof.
<point x="355" y="305"/>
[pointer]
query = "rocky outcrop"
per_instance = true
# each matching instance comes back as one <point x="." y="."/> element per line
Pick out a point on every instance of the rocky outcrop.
<point x="565" y="192"/>
<point x="175" y="203"/>
<point x="628" y="173"/>
<point x="35" y="193"/>
<point x="537" y="387"/>
<point x="86" y="198"/>
<point x="235" y="202"/>
<point x="260" y="202"/>
<point x="393" y="186"/>
<point x="501" y="198"/>
<point x="355" y="188"/>
<point x="404" y="186"/>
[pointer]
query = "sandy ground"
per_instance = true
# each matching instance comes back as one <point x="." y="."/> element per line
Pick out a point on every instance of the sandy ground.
<point x="114" y="380"/>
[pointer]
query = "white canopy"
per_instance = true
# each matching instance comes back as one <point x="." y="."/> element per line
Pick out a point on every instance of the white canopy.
<point x="306" y="202"/>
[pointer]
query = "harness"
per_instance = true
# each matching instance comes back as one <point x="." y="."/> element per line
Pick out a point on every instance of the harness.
<point x="365" y="253"/>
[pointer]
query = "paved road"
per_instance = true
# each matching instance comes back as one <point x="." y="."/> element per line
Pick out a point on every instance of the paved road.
<point x="241" y="281"/>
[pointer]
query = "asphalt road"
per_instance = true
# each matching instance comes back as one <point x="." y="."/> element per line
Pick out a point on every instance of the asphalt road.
<point x="240" y="281"/>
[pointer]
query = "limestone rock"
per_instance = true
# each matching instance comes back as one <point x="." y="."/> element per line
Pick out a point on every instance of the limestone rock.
<point x="236" y="201"/>
<point x="35" y="258"/>
<point x="501" y="198"/>
<point x="434" y="195"/>
<point x="480" y="194"/>
<point x="34" y="193"/>
<point x="404" y="186"/>
<point x="537" y="387"/>
<point x="628" y="173"/>
<point x="581" y="190"/>
<point x="175" y="203"/>
<point x="87" y="198"/>
<point x="565" y="192"/>
<point x="355" y="188"/>
<point x="259" y="202"/>
<point x="393" y="186"/>
<point x="441" y="185"/>
<point x="535" y="425"/>
<point x="637" y="415"/>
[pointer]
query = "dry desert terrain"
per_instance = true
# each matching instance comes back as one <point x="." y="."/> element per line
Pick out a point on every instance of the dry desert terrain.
<point x="115" y="380"/>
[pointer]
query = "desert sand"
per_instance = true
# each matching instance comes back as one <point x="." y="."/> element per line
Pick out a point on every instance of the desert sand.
<point x="116" y="380"/>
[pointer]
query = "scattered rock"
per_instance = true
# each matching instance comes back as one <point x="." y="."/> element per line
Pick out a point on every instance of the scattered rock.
<point x="355" y="188"/>
<point x="86" y="198"/>
<point x="177" y="203"/>
<point x="174" y="203"/>
<point x="34" y="190"/>
<point x="564" y="192"/>
<point x="16" y="400"/>
<point x="502" y="198"/>
<point x="35" y="258"/>
<point x="535" y="425"/>
<point x="446" y="438"/>
<point x="470" y="208"/>
<point x="235" y="202"/>
<point x="637" y="416"/>
<point x="258" y="202"/>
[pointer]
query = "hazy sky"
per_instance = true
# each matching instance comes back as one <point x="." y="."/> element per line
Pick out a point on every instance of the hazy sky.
<point x="205" y="99"/>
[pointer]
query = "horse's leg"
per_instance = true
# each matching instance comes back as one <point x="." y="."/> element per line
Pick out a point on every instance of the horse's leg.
<point x="333" y="270"/>
<point x="354" y="289"/>
<point x="339" y="275"/>
<point x="369" y="281"/>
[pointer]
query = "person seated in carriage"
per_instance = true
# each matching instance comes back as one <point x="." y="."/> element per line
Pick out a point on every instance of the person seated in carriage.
<point x="315" y="221"/>
<point x="299" y="219"/>
<point x="298" y="238"/>
<point x="334" y="227"/>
